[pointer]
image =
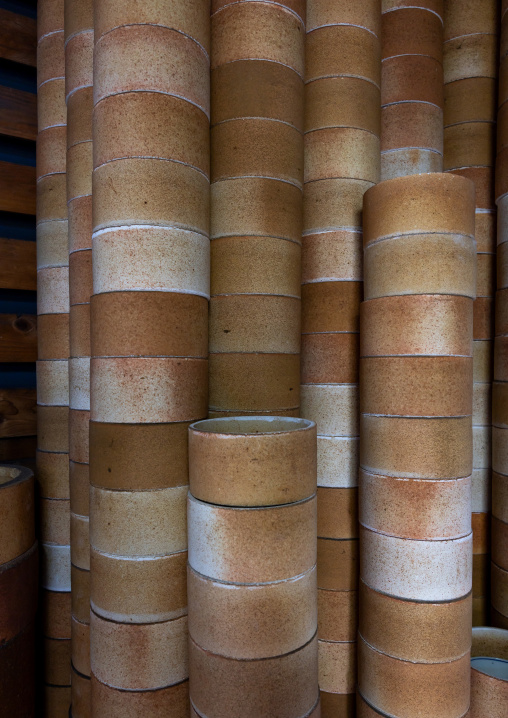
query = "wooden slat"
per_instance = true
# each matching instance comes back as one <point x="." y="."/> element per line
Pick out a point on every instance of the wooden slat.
<point x="17" y="188"/>
<point x="17" y="412"/>
<point x="18" y="447"/>
<point x="18" y="113"/>
<point x="18" y="37"/>
<point x="18" y="268"/>
<point x="18" y="338"/>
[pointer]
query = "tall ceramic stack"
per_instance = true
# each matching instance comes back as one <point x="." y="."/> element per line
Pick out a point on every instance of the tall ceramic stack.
<point x="79" y="98"/>
<point x="470" y="72"/>
<point x="256" y="205"/>
<point x="416" y="380"/>
<point x="342" y="157"/>
<point x="252" y="568"/>
<point x="499" y="565"/>
<point x="411" y="87"/>
<point x="53" y="353"/>
<point x="149" y="343"/>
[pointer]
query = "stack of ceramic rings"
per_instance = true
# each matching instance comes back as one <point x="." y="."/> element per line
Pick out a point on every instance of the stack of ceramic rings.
<point x="342" y="127"/>
<point x="252" y="568"/>
<point x="489" y="673"/>
<point x="149" y="342"/>
<point x="256" y="205"/>
<point x="416" y="377"/>
<point x="53" y="353"/>
<point x="18" y="592"/>
<point x="412" y="87"/>
<point x="470" y="72"/>
<point x="79" y="98"/>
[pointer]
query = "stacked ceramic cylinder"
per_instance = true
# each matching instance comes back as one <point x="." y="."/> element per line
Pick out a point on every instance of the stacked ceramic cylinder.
<point x="499" y="536"/>
<point x="416" y="447"/>
<point x="411" y="87"/>
<point x="79" y="99"/>
<point x="256" y="206"/>
<point x="148" y="343"/>
<point x="342" y="158"/>
<point x="470" y="71"/>
<point x="18" y="592"/>
<point x="252" y="568"/>
<point x="489" y="673"/>
<point x="53" y="353"/>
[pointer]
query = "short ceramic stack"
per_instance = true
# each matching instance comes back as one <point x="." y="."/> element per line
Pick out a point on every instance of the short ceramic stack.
<point x="79" y="99"/>
<point x="18" y="592"/>
<point x="252" y="568"/>
<point x="411" y="87"/>
<point x="470" y="72"/>
<point x="149" y="343"/>
<point x="53" y="353"/>
<point x="416" y="382"/>
<point x="342" y="156"/>
<point x="499" y="537"/>
<point x="256" y="204"/>
<point x="489" y="673"/>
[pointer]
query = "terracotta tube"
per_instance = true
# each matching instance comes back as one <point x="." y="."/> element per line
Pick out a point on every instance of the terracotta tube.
<point x="342" y="160"/>
<point x="18" y="590"/>
<point x="416" y="459"/>
<point x="470" y="92"/>
<point x="257" y="62"/>
<point x="79" y="36"/>
<point x="149" y="346"/>
<point x="53" y="348"/>
<point x="499" y="566"/>
<point x="252" y="567"/>
<point x="411" y="88"/>
<point x="489" y="673"/>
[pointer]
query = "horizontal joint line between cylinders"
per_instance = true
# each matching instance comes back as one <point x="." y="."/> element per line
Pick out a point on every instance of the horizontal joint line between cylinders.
<point x="48" y="34"/>
<point x="341" y="127"/>
<point x="77" y="89"/>
<point x="261" y="2"/>
<point x="413" y="7"/>
<point x="258" y="59"/>
<point x="471" y="122"/>
<point x="415" y="663"/>
<point x="427" y="539"/>
<point x="420" y="233"/>
<point x="264" y="658"/>
<point x="469" y="34"/>
<point x="411" y="102"/>
<point x="51" y="79"/>
<point x="415" y="600"/>
<point x="143" y="356"/>
<point x="256" y="583"/>
<point x="153" y="24"/>
<point x="343" y="24"/>
<point x="151" y="157"/>
<point x="151" y="557"/>
<point x="294" y="183"/>
<point x="409" y="54"/>
<point x="123" y="227"/>
<point x="155" y="92"/>
<point x="256" y="294"/>
<point x="420" y="416"/>
<point x="88" y="30"/>
<point x="244" y="118"/>
<point x="414" y="147"/>
<point x="255" y="234"/>
<point x="339" y="77"/>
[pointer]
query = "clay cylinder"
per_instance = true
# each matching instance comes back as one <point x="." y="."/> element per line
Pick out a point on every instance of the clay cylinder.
<point x="412" y="99"/>
<point x="489" y="672"/>
<point x="408" y="401"/>
<point x="226" y="579"/>
<point x="256" y="206"/>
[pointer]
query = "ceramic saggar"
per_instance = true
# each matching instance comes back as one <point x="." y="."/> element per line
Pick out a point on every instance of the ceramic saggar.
<point x="149" y="346"/>
<point x="251" y="584"/>
<point x="489" y="672"/>
<point x="412" y="94"/>
<point x="470" y="39"/>
<point x="256" y="203"/>
<point x="499" y="566"/>
<point x="416" y="456"/>
<point x="342" y="160"/>
<point x="53" y="353"/>
<point x="18" y="589"/>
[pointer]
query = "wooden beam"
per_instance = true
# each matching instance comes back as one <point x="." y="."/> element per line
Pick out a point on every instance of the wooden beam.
<point x="17" y="412"/>
<point x="17" y="188"/>
<point x="18" y="38"/>
<point x="18" y="268"/>
<point x="18" y="338"/>
<point x="18" y="113"/>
